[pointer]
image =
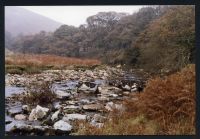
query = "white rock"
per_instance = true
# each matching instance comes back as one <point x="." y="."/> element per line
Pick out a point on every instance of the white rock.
<point x="32" y="115"/>
<point x="113" y="95"/>
<point x="38" y="113"/>
<point x="110" y="106"/>
<point x="118" y="66"/>
<point x="126" y="87"/>
<point x="134" y="85"/>
<point x="62" y="125"/>
<point x="126" y="93"/>
<point x="71" y="107"/>
<point x="72" y="117"/>
<point x="134" y="90"/>
<point x="20" y="117"/>
<point x="98" y="125"/>
<point x="98" y="118"/>
<point x="55" y="115"/>
<point x="26" y="108"/>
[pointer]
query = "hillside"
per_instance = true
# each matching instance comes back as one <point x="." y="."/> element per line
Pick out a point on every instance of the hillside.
<point x="19" y="20"/>
<point x="144" y="39"/>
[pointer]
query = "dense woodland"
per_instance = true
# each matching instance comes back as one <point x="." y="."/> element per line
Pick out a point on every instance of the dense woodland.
<point x="156" y="38"/>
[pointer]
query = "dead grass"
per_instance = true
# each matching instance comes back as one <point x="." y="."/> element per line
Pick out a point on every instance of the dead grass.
<point x="170" y="101"/>
<point x="165" y="107"/>
<point x="39" y="60"/>
<point x="19" y="63"/>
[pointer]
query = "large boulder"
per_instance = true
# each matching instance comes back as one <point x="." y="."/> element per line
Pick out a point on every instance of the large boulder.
<point x="38" y="113"/>
<point x="62" y="126"/>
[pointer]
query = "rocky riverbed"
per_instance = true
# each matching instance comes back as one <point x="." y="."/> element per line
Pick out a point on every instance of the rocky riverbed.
<point x="81" y="95"/>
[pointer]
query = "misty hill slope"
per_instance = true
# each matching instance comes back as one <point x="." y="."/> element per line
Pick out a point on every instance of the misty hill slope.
<point x="19" y="20"/>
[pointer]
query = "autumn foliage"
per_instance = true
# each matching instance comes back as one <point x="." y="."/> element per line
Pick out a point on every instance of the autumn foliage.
<point x="170" y="101"/>
<point x="166" y="107"/>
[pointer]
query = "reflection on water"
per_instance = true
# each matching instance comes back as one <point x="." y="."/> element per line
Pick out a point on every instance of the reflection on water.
<point x="9" y="90"/>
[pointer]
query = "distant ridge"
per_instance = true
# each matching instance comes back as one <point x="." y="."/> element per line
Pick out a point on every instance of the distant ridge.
<point x="19" y="20"/>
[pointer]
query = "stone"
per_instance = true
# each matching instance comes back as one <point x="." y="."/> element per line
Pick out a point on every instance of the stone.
<point x="92" y="107"/>
<point x="110" y="90"/>
<point x="71" y="102"/>
<point x="118" y="66"/>
<point x="113" y="95"/>
<point x="84" y="88"/>
<point x="110" y="106"/>
<point x="71" y="109"/>
<point x="84" y="101"/>
<point x="38" y="113"/>
<point x="133" y="90"/>
<point x="98" y="118"/>
<point x="55" y="115"/>
<point x="28" y="128"/>
<point x="98" y="125"/>
<point x="20" y="117"/>
<point x="56" y="105"/>
<point x="127" y="88"/>
<point x="72" y="117"/>
<point x="103" y="98"/>
<point x="62" y="125"/>
<point x="62" y="94"/>
<point x="126" y="93"/>
<point x="26" y="109"/>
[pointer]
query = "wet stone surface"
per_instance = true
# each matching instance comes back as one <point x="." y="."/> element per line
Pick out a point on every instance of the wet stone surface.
<point x="87" y="95"/>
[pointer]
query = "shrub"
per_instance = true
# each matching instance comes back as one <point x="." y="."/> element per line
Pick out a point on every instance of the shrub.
<point x="169" y="101"/>
<point x="39" y="94"/>
<point x="165" y="107"/>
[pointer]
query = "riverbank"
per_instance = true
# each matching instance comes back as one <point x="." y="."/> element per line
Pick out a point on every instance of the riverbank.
<point x="46" y="101"/>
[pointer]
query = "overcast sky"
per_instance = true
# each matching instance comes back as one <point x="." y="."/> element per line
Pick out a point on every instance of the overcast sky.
<point x="76" y="15"/>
